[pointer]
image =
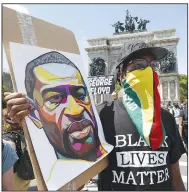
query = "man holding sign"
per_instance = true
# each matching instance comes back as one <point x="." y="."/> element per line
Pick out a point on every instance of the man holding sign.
<point x="147" y="142"/>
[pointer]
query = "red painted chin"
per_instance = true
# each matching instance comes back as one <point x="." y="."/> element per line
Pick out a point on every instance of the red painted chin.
<point x="82" y="145"/>
<point x="84" y="148"/>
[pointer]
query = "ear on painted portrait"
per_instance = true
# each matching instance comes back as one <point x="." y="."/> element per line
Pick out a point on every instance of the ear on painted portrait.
<point x="34" y="114"/>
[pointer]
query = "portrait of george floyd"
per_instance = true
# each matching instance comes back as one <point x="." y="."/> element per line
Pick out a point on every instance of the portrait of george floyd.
<point x="62" y="107"/>
<point x="63" y="123"/>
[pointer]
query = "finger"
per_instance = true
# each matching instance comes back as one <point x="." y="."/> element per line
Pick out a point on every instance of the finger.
<point x="16" y="101"/>
<point x="5" y="114"/>
<point x="20" y="116"/>
<point x="7" y="93"/>
<point x="13" y="96"/>
<point x="18" y="108"/>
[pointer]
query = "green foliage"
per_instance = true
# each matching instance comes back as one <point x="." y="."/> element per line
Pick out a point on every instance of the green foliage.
<point x="117" y="87"/>
<point x="6" y="81"/>
<point x="183" y="85"/>
<point x="97" y="67"/>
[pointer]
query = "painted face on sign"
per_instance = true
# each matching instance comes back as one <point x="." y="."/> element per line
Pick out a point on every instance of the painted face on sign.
<point x="65" y="111"/>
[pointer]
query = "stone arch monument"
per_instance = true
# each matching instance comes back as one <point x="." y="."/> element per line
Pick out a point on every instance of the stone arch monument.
<point x="108" y="49"/>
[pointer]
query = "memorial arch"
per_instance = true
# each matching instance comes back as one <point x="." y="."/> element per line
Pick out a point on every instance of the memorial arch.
<point x="108" y="49"/>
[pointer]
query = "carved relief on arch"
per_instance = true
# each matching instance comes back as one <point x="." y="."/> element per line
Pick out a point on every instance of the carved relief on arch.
<point x="172" y="89"/>
<point x="165" y="90"/>
<point x="112" y="65"/>
<point x="97" y="67"/>
<point x="168" y="64"/>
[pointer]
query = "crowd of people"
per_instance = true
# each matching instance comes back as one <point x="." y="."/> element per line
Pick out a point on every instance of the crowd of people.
<point x="180" y="113"/>
<point x="147" y="146"/>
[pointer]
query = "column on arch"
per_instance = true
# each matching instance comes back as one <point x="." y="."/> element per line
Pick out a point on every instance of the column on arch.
<point x="169" y="96"/>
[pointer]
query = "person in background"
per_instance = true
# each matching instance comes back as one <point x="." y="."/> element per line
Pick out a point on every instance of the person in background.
<point x="182" y="105"/>
<point x="176" y="113"/>
<point x="183" y="123"/>
<point x="163" y="106"/>
<point x="9" y="158"/>
<point x="169" y="107"/>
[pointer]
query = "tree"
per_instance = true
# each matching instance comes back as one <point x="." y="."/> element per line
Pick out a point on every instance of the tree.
<point x="97" y="67"/>
<point x="117" y="87"/>
<point x="6" y="81"/>
<point x="6" y="86"/>
<point x="183" y="82"/>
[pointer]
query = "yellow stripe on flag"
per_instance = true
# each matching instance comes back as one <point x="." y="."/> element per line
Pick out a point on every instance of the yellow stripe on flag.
<point x="146" y="97"/>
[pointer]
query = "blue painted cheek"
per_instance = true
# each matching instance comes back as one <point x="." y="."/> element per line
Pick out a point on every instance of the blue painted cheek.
<point x="89" y="140"/>
<point x="71" y="139"/>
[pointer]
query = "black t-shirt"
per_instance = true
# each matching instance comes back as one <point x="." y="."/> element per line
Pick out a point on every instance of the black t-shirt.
<point x="133" y="166"/>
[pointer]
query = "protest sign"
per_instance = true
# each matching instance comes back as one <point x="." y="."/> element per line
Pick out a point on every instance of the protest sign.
<point x="65" y="152"/>
<point x="101" y="85"/>
<point x="63" y="120"/>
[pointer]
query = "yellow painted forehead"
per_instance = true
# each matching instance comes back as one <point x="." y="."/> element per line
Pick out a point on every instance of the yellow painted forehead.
<point x="52" y="72"/>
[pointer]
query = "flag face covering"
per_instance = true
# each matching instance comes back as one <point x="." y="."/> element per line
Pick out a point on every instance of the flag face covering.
<point x="142" y="101"/>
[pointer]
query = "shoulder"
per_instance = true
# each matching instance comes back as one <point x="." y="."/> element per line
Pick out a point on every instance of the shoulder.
<point x="168" y="119"/>
<point x="7" y="147"/>
<point x="8" y="151"/>
<point x="166" y="114"/>
<point x="11" y="143"/>
<point x="103" y="106"/>
<point x="9" y="157"/>
<point x="169" y="123"/>
<point x="105" y="110"/>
